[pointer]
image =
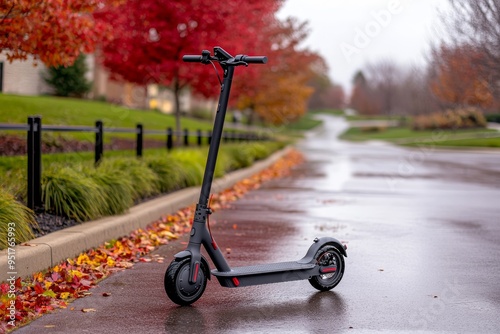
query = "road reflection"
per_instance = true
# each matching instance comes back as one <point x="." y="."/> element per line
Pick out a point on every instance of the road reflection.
<point x="319" y="313"/>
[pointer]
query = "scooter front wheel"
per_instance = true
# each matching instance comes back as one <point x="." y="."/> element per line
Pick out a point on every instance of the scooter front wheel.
<point x="177" y="284"/>
<point x="328" y="256"/>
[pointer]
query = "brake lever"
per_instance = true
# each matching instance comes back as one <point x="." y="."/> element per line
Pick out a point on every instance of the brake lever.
<point x="234" y="63"/>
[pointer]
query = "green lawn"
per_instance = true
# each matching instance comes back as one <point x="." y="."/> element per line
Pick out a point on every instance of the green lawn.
<point x="407" y="136"/>
<point x="307" y="122"/>
<point x="67" y="111"/>
<point x="335" y="112"/>
<point x="375" y="118"/>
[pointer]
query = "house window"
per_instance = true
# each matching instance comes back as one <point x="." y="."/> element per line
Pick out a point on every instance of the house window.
<point x="1" y="77"/>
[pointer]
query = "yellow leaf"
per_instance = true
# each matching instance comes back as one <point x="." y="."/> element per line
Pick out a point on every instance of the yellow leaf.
<point x="168" y="234"/>
<point x="64" y="295"/>
<point x="76" y="273"/>
<point x="110" y="262"/>
<point x="38" y="277"/>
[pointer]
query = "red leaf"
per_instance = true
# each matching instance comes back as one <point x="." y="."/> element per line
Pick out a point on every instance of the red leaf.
<point x="38" y="288"/>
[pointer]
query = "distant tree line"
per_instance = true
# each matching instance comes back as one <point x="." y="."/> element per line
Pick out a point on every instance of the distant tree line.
<point x="463" y="69"/>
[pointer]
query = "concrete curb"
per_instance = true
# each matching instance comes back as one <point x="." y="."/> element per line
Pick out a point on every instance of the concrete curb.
<point x="47" y="251"/>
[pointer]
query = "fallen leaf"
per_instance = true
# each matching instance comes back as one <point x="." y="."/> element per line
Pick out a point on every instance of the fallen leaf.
<point x="64" y="295"/>
<point x="106" y="294"/>
<point x="87" y="310"/>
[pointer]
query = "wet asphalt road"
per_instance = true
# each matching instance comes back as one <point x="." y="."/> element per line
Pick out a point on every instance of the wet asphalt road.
<point x="423" y="234"/>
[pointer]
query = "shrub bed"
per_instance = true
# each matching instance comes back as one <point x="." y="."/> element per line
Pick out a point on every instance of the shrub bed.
<point x="80" y="192"/>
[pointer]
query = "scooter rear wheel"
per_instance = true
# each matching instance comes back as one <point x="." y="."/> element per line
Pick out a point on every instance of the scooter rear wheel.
<point x="177" y="284"/>
<point x="328" y="256"/>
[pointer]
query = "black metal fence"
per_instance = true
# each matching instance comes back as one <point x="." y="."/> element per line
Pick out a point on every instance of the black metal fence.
<point x="34" y="129"/>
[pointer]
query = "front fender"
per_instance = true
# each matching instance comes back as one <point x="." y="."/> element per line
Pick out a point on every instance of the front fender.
<point x="186" y="253"/>
<point x="318" y="243"/>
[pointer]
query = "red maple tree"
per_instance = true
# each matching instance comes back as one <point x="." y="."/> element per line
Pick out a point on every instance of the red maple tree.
<point x="151" y="36"/>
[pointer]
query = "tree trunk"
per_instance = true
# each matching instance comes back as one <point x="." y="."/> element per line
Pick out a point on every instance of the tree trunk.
<point x="177" y="108"/>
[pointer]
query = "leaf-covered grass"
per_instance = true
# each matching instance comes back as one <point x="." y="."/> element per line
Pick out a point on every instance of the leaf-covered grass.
<point x="15" y="221"/>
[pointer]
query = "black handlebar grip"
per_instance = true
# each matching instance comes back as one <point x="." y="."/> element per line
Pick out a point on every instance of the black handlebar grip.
<point x="192" y="59"/>
<point x="254" y="59"/>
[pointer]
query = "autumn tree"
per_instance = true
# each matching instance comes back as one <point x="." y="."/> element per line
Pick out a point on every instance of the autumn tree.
<point x="279" y="92"/>
<point x="363" y="97"/>
<point x="385" y="77"/>
<point x="55" y="32"/>
<point x="415" y="96"/>
<point x="151" y="36"/>
<point x="326" y="95"/>
<point x="475" y="24"/>
<point x="458" y="77"/>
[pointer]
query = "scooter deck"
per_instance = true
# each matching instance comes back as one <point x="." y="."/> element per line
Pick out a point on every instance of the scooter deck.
<point x="266" y="273"/>
<point x="264" y="268"/>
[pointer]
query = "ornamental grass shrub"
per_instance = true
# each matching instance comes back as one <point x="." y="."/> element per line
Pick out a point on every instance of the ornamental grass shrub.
<point x="16" y="219"/>
<point x="457" y="119"/>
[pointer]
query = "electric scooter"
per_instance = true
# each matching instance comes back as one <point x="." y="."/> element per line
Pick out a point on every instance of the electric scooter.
<point x="186" y="276"/>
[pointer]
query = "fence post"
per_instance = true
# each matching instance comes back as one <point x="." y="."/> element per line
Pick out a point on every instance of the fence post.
<point x="186" y="137"/>
<point x="30" y="147"/>
<point x="139" y="142"/>
<point x="209" y="136"/>
<point x="170" y="142"/>
<point x="198" y="135"/>
<point x="37" y="162"/>
<point x="99" y="143"/>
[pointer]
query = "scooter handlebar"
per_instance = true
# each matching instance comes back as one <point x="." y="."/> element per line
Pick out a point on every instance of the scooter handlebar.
<point x="246" y="59"/>
<point x="254" y="59"/>
<point x="192" y="59"/>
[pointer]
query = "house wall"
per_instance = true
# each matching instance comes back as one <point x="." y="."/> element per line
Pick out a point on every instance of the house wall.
<point x="22" y="77"/>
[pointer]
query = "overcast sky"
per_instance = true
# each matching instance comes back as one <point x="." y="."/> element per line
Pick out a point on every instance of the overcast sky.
<point x="350" y="33"/>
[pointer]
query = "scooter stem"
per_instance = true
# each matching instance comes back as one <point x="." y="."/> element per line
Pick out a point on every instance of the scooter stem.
<point x="216" y="135"/>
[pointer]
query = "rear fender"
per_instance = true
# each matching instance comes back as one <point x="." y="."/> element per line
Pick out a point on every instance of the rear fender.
<point x="318" y="243"/>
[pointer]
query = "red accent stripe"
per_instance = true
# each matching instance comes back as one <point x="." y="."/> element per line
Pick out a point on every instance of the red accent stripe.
<point x="196" y="268"/>
<point x="214" y="245"/>
<point x="328" y="270"/>
<point x="236" y="281"/>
